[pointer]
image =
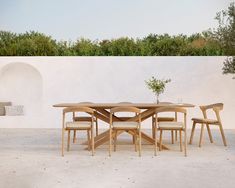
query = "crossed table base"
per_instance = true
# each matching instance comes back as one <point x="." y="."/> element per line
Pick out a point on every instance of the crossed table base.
<point x="104" y="115"/>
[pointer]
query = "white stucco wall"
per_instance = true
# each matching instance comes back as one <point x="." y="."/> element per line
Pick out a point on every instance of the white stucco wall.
<point x="196" y="80"/>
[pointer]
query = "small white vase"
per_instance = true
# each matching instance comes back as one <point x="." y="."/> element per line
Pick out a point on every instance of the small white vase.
<point x="157" y="99"/>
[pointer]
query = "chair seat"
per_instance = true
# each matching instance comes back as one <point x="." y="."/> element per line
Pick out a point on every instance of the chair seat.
<point x="170" y="125"/>
<point x="78" y="125"/>
<point x="125" y="124"/>
<point x="201" y="120"/>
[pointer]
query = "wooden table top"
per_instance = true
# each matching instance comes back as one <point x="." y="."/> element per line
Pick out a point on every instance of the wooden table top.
<point x="137" y="105"/>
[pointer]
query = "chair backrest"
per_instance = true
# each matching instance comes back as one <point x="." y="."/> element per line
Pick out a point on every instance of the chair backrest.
<point x="78" y="109"/>
<point x="124" y="109"/>
<point x="164" y="102"/>
<point x="172" y="109"/>
<point x="85" y="103"/>
<point x="216" y="107"/>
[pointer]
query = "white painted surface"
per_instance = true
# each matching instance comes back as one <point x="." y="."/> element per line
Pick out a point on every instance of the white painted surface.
<point x="196" y="80"/>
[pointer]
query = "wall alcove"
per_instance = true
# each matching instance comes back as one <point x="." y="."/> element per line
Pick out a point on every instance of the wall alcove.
<point x="22" y="84"/>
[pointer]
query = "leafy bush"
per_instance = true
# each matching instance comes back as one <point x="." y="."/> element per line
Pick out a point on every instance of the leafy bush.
<point x="38" y="44"/>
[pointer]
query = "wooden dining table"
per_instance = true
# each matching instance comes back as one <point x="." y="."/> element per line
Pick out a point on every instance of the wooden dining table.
<point x="102" y="113"/>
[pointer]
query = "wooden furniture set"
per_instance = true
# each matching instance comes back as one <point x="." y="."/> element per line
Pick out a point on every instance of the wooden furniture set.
<point x="112" y="113"/>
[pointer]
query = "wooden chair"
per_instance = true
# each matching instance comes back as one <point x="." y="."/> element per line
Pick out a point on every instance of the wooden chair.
<point x="125" y="118"/>
<point x="124" y="125"/>
<point x="163" y="119"/>
<point x="84" y="118"/>
<point x="205" y="121"/>
<point x="171" y="126"/>
<point x="78" y="125"/>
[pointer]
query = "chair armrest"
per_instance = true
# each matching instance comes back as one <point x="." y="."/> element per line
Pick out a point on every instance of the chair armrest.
<point x="216" y="109"/>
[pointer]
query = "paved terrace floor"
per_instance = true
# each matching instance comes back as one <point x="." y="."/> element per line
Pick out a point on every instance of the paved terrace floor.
<point x="30" y="158"/>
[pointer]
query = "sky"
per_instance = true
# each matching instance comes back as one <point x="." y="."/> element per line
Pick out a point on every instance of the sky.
<point x="107" y="19"/>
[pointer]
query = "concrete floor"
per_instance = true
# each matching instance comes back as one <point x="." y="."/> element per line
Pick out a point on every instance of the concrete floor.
<point x="30" y="158"/>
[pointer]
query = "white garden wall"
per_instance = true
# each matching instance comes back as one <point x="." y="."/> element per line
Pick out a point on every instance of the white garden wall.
<point x="40" y="82"/>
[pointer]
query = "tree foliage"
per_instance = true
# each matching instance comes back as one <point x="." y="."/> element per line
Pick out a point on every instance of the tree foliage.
<point x="229" y="66"/>
<point x="225" y="33"/>
<point x="27" y="44"/>
<point x="38" y="44"/>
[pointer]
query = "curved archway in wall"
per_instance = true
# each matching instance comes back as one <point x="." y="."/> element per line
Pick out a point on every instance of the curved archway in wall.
<point x="22" y="84"/>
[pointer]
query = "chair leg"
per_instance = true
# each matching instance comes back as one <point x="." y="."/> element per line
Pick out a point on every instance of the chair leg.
<point x="222" y="134"/>
<point x="176" y="136"/>
<point x="160" y="141"/>
<point x="74" y="136"/>
<point x="192" y="132"/>
<point x="139" y="143"/>
<point x="62" y="148"/>
<point x="92" y="141"/>
<point x="155" y="141"/>
<point x="172" y="137"/>
<point x="89" y="140"/>
<point x="115" y="140"/>
<point x="96" y="127"/>
<point x="110" y="141"/>
<point x="201" y="135"/>
<point x="181" y="147"/>
<point x="68" y="143"/>
<point x="135" y="137"/>
<point x="209" y="133"/>
<point x="185" y="143"/>
<point x="153" y="128"/>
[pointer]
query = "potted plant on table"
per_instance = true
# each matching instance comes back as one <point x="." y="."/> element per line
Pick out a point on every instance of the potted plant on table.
<point x="157" y="85"/>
